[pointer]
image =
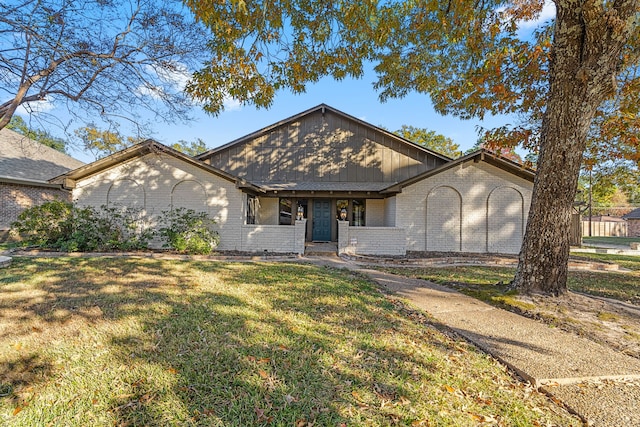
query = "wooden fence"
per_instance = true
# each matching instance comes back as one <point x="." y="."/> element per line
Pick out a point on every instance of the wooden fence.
<point x="604" y="228"/>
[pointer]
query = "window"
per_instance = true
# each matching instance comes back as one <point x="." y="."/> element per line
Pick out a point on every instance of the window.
<point x="252" y="208"/>
<point x="351" y="210"/>
<point x="357" y="213"/>
<point x="285" y="212"/>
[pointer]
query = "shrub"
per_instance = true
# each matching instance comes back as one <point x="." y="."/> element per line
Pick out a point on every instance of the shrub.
<point x="186" y="230"/>
<point x="109" y="228"/>
<point x="60" y="225"/>
<point x="45" y="225"/>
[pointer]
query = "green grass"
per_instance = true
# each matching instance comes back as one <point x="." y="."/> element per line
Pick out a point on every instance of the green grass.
<point x="630" y="262"/>
<point x="610" y="240"/>
<point x="480" y="281"/>
<point x="149" y="342"/>
<point x="6" y="246"/>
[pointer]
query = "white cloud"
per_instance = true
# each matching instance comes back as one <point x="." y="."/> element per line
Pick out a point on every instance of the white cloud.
<point x="548" y="12"/>
<point x="231" y="104"/>
<point x="36" y="107"/>
<point x="174" y="79"/>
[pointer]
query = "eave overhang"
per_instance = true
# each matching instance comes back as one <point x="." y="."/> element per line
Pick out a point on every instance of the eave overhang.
<point x="146" y="147"/>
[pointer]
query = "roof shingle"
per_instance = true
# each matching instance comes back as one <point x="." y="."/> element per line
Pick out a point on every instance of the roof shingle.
<point x="26" y="159"/>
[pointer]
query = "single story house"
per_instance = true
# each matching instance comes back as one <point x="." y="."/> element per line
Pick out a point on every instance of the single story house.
<point x="323" y="175"/>
<point x="25" y="169"/>
<point x="633" y="223"/>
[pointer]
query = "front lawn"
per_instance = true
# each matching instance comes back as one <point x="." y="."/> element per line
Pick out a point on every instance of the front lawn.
<point x="150" y="342"/>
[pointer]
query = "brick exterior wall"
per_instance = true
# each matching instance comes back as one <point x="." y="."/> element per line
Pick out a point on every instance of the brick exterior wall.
<point x="472" y="207"/>
<point x="633" y="229"/>
<point x="15" y="198"/>
<point x="374" y="213"/>
<point x="154" y="181"/>
<point x="390" y="211"/>
<point x="371" y="240"/>
<point x="274" y="238"/>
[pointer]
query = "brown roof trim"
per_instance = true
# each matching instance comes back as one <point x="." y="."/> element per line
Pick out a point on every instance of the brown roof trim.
<point x="323" y="108"/>
<point x="30" y="183"/>
<point x="477" y="156"/>
<point x="141" y="149"/>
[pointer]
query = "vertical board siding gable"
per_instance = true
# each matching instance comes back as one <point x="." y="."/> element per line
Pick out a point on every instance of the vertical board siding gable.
<point x="325" y="147"/>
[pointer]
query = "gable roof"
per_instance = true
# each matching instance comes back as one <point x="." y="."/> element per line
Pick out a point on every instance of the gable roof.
<point x="146" y="147"/>
<point x="634" y="214"/>
<point x="325" y="150"/>
<point x="481" y="155"/>
<point x="26" y="160"/>
<point x="321" y="107"/>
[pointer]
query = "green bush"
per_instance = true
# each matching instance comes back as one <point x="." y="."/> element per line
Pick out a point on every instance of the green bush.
<point x="62" y="226"/>
<point x="45" y="225"/>
<point x="186" y="230"/>
<point x="109" y="228"/>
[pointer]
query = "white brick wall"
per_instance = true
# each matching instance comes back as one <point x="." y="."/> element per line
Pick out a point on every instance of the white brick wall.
<point x="274" y="238"/>
<point x="375" y="213"/>
<point x="482" y="204"/>
<point x="371" y="240"/>
<point x="390" y="211"/>
<point x="444" y="219"/>
<point x="155" y="176"/>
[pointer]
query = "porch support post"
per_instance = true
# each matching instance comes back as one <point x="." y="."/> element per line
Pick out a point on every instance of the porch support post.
<point x="299" y="236"/>
<point x="343" y="237"/>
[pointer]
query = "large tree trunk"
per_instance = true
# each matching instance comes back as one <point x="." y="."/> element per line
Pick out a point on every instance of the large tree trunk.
<point x="586" y="54"/>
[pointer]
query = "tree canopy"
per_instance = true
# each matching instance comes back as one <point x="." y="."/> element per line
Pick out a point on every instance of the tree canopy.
<point x="471" y="59"/>
<point x="110" y="60"/>
<point x="190" y="148"/>
<point x="431" y="140"/>
<point x="19" y="125"/>
<point x="104" y="142"/>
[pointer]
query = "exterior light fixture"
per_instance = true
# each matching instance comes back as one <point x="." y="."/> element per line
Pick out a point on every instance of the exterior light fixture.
<point x="300" y="214"/>
<point x="343" y="214"/>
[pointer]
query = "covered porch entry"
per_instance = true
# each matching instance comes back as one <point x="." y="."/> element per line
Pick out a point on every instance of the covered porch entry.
<point x="322" y="214"/>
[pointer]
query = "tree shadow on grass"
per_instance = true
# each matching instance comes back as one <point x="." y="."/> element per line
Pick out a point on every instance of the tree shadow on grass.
<point x="273" y="359"/>
<point x="205" y="343"/>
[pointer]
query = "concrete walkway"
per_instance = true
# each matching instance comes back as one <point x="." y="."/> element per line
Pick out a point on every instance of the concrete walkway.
<point x="596" y="382"/>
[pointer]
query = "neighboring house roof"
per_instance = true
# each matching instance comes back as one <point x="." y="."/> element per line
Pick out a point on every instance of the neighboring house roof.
<point x="23" y="160"/>
<point x="634" y="214"/>
<point x="477" y="156"/>
<point x="146" y="147"/>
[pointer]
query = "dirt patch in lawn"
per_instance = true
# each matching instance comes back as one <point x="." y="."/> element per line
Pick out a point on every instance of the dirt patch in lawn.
<point x="610" y="322"/>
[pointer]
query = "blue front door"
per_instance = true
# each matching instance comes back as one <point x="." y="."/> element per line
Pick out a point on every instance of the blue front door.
<point x="321" y="221"/>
